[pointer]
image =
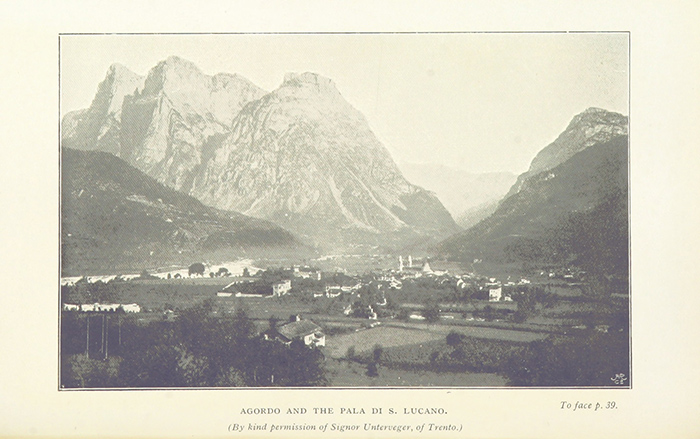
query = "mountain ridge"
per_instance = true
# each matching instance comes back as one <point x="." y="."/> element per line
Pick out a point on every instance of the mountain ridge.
<point x="593" y="125"/>
<point x="556" y="216"/>
<point x="300" y="156"/>
<point x="114" y="216"/>
<point x="314" y="156"/>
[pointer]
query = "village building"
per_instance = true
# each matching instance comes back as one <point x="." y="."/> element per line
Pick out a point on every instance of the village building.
<point x="495" y="294"/>
<point x="248" y="288"/>
<point x="411" y="271"/>
<point x="300" y="329"/>
<point x="306" y="272"/>
<point x="282" y="287"/>
<point x="403" y="267"/>
<point x="102" y="307"/>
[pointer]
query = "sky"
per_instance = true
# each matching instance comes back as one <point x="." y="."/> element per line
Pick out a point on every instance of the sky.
<point x="480" y="102"/>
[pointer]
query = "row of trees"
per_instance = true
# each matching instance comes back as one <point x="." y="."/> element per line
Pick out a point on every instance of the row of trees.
<point x="588" y="359"/>
<point x="199" y="348"/>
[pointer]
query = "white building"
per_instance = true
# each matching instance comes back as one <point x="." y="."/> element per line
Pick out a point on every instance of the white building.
<point x="131" y="307"/>
<point x="495" y="294"/>
<point x="282" y="287"/>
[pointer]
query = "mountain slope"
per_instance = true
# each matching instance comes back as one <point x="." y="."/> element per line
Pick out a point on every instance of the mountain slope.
<point x="560" y="215"/>
<point x="304" y="158"/>
<point x="458" y="190"/>
<point x="166" y="124"/>
<point x="300" y="156"/>
<point x="474" y="215"/>
<point x="114" y="217"/>
<point x="171" y="128"/>
<point x="595" y="125"/>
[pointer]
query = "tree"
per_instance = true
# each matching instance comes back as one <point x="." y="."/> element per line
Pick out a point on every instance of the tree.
<point x="454" y="338"/>
<point x="431" y="312"/>
<point x="146" y="275"/>
<point x="489" y="313"/>
<point x="246" y="272"/>
<point x="377" y="353"/>
<point x="223" y="272"/>
<point x="272" y="323"/>
<point x="196" y="268"/>
<point x="372" y="369"/>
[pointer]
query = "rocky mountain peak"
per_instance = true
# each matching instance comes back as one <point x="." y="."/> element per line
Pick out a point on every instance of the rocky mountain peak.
<point x="97" y="127"/>
<point x="592" y="126"/>
<point x="593" y="116"/>
<point x="119" y="82"/>
<point x="292" y="78"/>
<point x="301" y="156"/>
<point x="311" y="83"/>
<point x="117" y="72"/>
<point x="174" y="73"/>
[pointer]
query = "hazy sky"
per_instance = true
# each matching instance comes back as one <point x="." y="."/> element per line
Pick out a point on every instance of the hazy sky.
<point x="480" y="102"/>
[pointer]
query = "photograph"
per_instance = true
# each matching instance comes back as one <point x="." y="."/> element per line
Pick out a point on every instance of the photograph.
<point x="344" y="210"/>
<point x="367" y="219"/>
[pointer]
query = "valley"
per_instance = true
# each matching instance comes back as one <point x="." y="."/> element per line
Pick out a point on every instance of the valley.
<point x="215" y="234"/>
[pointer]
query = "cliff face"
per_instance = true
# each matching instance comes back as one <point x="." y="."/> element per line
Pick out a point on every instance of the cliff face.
<point x="303" y="157"/>
<point x="98" y="127"/>
<point x="300" y="156"/>
<point x="171" y="128"/>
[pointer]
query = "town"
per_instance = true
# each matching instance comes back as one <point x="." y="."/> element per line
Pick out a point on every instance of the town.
<point x="417" y="322"/>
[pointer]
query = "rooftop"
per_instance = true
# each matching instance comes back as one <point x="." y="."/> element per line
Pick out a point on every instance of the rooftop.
<point x="300" y="328"/>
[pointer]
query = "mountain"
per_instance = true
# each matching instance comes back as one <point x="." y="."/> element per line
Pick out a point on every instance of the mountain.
<point x="165" y="124"/>
<point x="475" y="214"/>
<point x="464" y="194"/>
<point x="573" y="212"/>
<point x="113" y="216"/>
<point x="98" y="127"/>
<point x="170" y="129"/>
<point x="300" y="156"/>
<point x="594" y="125"/>
<point x="304" y="158"/>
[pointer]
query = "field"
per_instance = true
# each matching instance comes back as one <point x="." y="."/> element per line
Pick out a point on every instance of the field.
<point x="337" y="346"/>
<point x="475" y="331"/>
<point x="350" y="374"/>
<point x="416" y="334"/>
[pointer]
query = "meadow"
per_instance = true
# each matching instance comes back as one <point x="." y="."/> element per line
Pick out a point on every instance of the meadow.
<point x="342" y="373"/>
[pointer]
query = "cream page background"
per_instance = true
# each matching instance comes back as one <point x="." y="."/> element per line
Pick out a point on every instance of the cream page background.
<point x="664" y="119"/>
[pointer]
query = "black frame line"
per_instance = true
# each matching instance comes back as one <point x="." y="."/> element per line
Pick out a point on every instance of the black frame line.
<point x="358" y="388"/>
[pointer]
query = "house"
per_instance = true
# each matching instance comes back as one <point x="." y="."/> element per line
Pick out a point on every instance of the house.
<point x="301" y="329"/>
<point x="333" y="293"/>
<point x="333" y="290"/>
<point x="282" y="287"/>
<point x="495" y="294"/>
<point x="131" y="307"/>
<point x="102" y="307"/>
<point x="246" y="289"/>
<point x="107" y="307"/>
<point x="306" y="272"/>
